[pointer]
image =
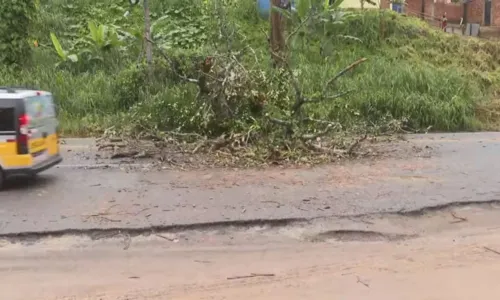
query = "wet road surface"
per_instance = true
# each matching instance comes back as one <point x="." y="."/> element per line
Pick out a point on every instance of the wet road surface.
<point x="82" y="195"/>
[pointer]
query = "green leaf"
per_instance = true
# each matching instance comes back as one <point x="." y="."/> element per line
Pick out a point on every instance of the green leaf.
<point x="93" y="31"/>
<point x="157" y="22"/>
<point x="114" y="40"/>
<point x="101" y="35"/>
<point x="85" y="52"/>
<point x="350" y="37"/>
<point x="73" y="58"/>
<point x="58" y="46"/>
<point x="303" y="7"/>
<point x="326" y="4"/>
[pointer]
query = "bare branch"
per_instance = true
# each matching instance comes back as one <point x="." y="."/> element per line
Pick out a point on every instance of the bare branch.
<point x="329" y="151"/>
<point x="301" y="100"/>
<point x="336" y="124"/>
<point x="342" y="73"/>
<point x="294" y="32"/>
<point x="280" y="122"/>
<point x="318" y="134"/>
<point x="354" y="145"/>
<point x="295" y="82"/>
<point x="322" y="98"/>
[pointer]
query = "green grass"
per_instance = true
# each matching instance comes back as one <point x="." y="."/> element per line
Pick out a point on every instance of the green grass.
<point x="413" y="72"/>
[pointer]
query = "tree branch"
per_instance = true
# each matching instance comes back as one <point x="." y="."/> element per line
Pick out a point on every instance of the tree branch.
<point x="322" y="98"/>
<point x="294" y="32"/>
<point x="280" y="122"/>
<point x="314" y="136"/>
<point x="354" y="145"/>
<point x="342" y="73"/>
<point x="295" y="82"/>
<point x="335" y="124"/>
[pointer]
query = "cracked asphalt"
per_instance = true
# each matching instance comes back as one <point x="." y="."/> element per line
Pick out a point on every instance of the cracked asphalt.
<point x="84" y="193"/>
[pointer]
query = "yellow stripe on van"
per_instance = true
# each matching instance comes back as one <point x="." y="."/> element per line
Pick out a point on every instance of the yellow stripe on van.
<point x="10" y="158"/>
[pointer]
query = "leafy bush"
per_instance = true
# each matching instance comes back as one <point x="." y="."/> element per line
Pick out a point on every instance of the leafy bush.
<point x="129" y="85"/>
<point x="14" y="31"/>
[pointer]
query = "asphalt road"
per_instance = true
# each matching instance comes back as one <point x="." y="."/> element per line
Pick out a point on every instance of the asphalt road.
<point x="82" y="194"/>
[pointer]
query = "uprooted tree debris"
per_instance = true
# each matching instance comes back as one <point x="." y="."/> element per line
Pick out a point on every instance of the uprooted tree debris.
<point x="250" y="115"/>
<point x="222" y="93"/>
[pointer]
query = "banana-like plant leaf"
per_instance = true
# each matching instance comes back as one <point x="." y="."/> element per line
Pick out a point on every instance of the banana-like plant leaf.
<point x="57" y="45"/>
<point x="94" y="34"/>
<point x="102" y="35"/>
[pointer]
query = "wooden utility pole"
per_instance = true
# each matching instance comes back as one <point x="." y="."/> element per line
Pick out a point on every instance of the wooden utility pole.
<point x="277" y="38"/>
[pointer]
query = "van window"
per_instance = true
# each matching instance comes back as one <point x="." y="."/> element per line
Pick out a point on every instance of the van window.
<point x="40" y="107"/>
<point x="7" y="120"/>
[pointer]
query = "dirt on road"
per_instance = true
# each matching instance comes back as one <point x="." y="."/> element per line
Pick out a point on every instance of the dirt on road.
<point x="451" y="253"/>
<point x="82" y="194"/>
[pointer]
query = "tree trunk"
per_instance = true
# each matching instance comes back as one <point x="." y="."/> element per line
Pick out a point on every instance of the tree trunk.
<point x="147" y="38"/>
<point x="277" y="39"/>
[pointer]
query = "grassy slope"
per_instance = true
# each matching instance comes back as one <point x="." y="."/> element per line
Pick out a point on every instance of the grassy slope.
<point x="414" y="72"/>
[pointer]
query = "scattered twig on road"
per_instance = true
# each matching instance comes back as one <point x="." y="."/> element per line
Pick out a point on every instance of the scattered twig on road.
<point x="164" y="237"/>
<point x="458" y="219"/>
<point x="252" y="275"/>
<point x="491" y="250"/>
<point x="109" y="208"/>
<point x="127" y="241"/>
<point x="124" y="154"/>
<point x="108" y="219"/>
<point x="363" y="283"/>
<point x="101" y="216"/>
<point x="274" y="202"/>
<point x="300" y="208"/>
<point x="203" y="261"/>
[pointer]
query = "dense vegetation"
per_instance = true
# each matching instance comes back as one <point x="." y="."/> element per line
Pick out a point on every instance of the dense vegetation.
<point x="90" y="55"/>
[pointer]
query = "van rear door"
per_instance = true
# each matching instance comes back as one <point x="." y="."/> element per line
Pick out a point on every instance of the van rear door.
<point x="42" y="125"/>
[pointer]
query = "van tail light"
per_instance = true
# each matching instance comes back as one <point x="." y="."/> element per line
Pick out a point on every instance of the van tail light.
<point x="23" y="136"/>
